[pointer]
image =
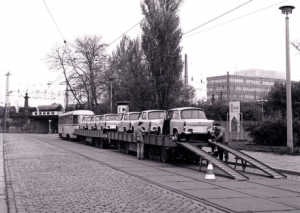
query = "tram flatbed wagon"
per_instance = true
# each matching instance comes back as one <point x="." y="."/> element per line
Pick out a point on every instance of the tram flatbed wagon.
<point x="155" y="140"/>
<point x="155" y="145"/>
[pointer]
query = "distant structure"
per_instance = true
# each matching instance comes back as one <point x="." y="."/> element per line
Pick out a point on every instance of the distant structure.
<point x="245" y="86"/>
<point x="31" y="119"/>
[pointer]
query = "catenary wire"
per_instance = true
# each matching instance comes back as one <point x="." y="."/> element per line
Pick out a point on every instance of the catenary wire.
<point x="54" y="21"/>
<point x="217" y="17"/>
<point x="235" y="19"/>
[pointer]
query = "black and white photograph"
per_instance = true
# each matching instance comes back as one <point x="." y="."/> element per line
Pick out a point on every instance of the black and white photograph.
<point x="149" y="106"/>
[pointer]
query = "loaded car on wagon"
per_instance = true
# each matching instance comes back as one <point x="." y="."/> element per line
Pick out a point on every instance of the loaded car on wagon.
<point x="127" y="121"/>
<point x="93" y="123"/>
<point x="188" y="122"/>
<point x="152" y="121"/>
<point x="85" y="122"/>
<point x="108" y="122"/>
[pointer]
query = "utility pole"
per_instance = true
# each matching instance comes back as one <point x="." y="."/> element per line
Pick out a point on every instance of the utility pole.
<point x="66" y="97"/>
<point x="185" y="70"/>
<point x="186" y="76"/>
<point x="228" y="88"/>
<point x="6" y="114"/>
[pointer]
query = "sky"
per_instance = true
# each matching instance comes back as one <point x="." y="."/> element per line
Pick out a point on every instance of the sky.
<point x="249" y="37"/>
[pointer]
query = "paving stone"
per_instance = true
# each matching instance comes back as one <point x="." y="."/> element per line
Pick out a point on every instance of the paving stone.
<point x="45" y="178"/>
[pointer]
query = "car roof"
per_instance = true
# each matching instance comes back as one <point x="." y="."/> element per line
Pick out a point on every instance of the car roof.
<point x="184" y="108"/>
<point x="109" y="114"/>
<point x="131" y="112"/>
<point x="154" y="110"/>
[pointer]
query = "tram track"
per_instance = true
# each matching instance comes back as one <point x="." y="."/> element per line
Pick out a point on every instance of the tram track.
<point x="97" y="150"/>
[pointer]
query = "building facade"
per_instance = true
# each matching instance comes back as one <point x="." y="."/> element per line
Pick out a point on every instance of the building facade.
<point x="244" y="86"/>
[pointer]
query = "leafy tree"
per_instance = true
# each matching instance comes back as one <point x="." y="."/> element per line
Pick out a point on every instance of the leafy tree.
<point x="161" y="44"/>
<point x="130" y="77"/>
<point x="277" y="99"/>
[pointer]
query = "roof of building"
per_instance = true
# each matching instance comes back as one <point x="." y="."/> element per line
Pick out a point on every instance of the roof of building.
<point x="52" y="107"/>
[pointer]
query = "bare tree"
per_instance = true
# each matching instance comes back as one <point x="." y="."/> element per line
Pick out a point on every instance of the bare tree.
<point x="83" y="65"/>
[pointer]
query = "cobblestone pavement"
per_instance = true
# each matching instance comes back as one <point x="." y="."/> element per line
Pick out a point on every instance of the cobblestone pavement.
<point x="44" y="178"/>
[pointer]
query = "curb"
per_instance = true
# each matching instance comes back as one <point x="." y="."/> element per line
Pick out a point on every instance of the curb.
<point x="3" y="203"/>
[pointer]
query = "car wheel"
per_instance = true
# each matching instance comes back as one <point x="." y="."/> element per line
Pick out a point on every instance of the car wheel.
<point x="176" y="136"/>
<point x="158" y="131"/>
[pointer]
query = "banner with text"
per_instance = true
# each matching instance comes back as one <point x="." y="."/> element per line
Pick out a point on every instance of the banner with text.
<point x="234" y="116"/>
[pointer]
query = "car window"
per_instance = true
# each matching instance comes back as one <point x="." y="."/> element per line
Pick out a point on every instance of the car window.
<point x="83" y="119"/>
<point x="97" y="118"/>
<point x="125" y="117"/>
<point x="176" y="115"/>
<point x="134" y="116"/>
<point x="144" y="116"/>
<point x="111" y="117"/>
<point x="156" y="115"/>
<point x="92" y="118"/>
<point x="192" y="114"/>
<point x="170" y="115"/>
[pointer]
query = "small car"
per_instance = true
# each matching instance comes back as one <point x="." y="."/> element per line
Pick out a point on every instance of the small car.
<point x="108" y="122"/>
<point x="93" y="123"/>
<point x="152" y="121"/>
<point x="127" y="121"/>
<point x="188" y="122"/>
<point x="85" y="122"/>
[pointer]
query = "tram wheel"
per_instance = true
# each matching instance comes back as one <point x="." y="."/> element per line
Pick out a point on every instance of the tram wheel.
<point x="165" y="155"/>
<point x="119" y="146"/>
<point x="151" y="153"/>
<point x="126" y="148"/>
<point x="102" y="145"/>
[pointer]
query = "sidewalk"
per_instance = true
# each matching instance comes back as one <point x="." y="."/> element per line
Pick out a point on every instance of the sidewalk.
<point x="3" y="204"/>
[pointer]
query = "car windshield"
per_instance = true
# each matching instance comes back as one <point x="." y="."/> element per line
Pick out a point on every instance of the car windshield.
<point x="111" y="117"/>
<point x="156" y="115"/>
<point x="134" y="116"/>
<point x="192" y="114"/>
<point x="97" y="118"/>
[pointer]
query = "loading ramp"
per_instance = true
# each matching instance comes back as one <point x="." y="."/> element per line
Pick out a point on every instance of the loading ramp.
<point x="222" y="166"/>
<point x="248" y="159"/>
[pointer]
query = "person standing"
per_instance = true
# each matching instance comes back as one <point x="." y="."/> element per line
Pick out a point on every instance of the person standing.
<point x="220" y="136"/>
<point x="138" y="133"/>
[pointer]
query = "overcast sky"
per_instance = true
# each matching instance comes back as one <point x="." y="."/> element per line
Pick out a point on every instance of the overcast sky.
<point x="250" y="37"/>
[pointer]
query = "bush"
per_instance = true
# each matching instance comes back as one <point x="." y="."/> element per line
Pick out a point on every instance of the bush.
<point x="273" y="131"/>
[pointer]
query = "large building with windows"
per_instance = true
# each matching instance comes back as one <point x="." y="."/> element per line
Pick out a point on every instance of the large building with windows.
<point x="244" y="86"/>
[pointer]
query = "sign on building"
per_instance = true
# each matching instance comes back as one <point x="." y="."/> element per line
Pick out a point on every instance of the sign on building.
<point x="46" y="113"/>
<point x="234" y="116"/>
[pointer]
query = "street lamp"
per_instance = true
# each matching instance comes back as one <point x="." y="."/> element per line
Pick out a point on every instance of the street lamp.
<point x="288" y="10"/>
<point x="262" y="108"/>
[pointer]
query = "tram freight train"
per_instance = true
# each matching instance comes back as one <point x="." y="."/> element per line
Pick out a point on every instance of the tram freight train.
<point x="165" y="129"/>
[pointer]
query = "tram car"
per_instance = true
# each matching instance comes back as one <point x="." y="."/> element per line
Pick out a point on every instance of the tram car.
<point x="69" y="121"/>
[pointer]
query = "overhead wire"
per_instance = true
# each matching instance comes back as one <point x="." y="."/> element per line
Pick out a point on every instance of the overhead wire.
<point x="54" y="21"/>
<point x="235" y="19"/>
<point x="124" y="33"/>
<point x="217" y="17"/>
